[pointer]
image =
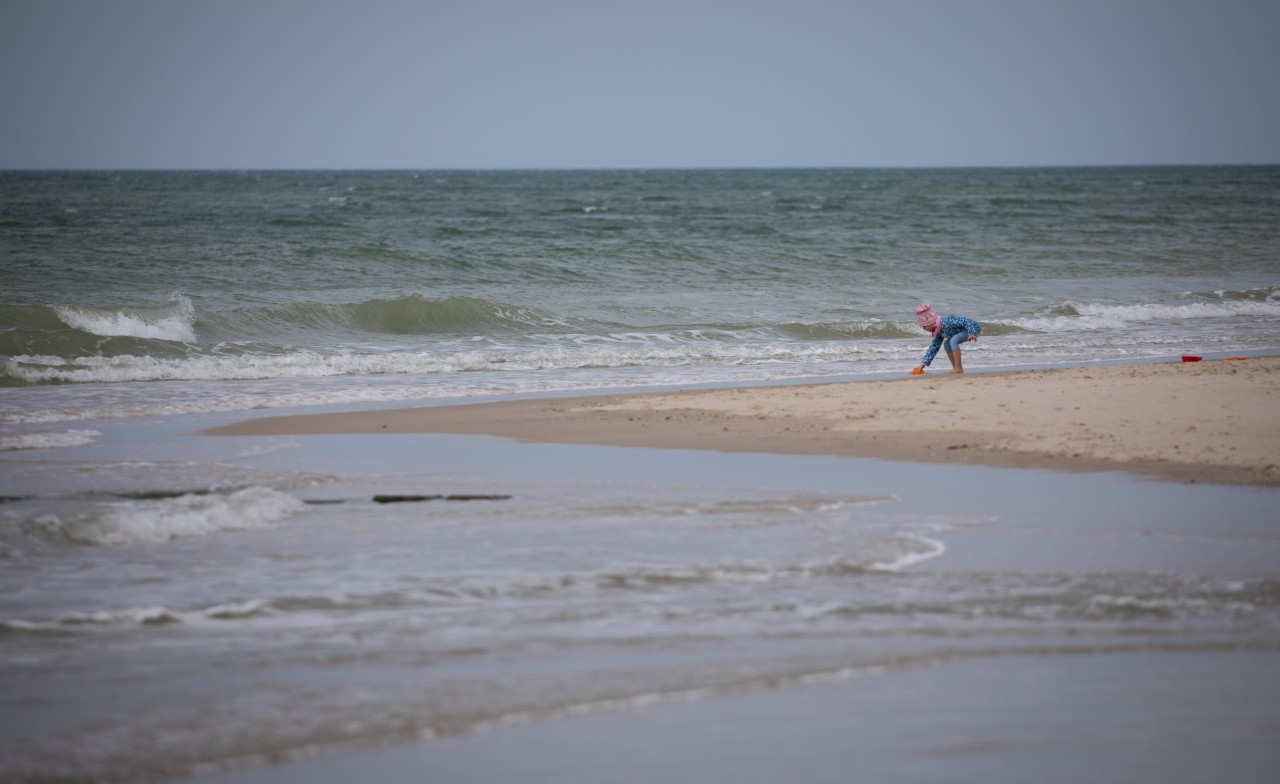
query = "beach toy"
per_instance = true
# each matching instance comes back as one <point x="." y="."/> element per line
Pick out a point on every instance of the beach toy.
<point x="1233" y="359"/>
<point x="917" y="371"/>
<point x="1189" y="358"/>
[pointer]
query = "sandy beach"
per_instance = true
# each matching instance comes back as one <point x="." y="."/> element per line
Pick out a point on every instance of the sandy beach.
<point x="1210" y="421"/>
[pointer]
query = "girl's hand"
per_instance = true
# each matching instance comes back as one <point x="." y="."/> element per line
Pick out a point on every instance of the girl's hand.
<point x="918" y="370"/>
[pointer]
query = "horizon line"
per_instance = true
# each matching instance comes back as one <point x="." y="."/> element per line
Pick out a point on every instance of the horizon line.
<point x="836" y="167"/>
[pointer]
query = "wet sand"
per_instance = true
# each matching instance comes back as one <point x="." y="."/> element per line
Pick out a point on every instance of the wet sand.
<point x="1211" y="421"/>
<point x="1170" y="716"/>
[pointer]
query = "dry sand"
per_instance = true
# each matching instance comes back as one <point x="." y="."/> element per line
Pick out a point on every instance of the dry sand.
<point x="1211" y="421"/>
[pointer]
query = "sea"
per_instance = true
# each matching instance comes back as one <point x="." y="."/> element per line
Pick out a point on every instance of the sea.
<point x="139" y="293"/>
<point x="174" y="604"/>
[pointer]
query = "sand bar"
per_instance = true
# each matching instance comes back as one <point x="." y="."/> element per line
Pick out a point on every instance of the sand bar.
<point x="1210" y="421"/>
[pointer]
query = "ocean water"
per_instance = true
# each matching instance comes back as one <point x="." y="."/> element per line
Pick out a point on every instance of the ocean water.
<point x="140" y="293"/>
<point x="174" y="604"/>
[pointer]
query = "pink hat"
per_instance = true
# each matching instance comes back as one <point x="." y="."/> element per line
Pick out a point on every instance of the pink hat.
<point x="926" y="317"/>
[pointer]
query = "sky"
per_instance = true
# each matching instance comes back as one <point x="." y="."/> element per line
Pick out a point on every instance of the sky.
<point x="548" y="84"/>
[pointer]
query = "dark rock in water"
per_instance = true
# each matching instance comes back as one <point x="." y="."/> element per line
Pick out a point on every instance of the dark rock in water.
<point x="401" y="499"/>
<point x="162" y="495"/>
<point x="158" y="495"/>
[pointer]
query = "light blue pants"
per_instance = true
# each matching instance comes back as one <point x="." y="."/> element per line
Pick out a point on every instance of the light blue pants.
<point x="952" y="343"/>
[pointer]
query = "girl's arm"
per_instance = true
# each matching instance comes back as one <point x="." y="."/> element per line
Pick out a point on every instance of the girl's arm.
<point x="933" y="350"/>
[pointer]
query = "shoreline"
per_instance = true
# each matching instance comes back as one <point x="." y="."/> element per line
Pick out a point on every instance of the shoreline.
<point x="1212" y="421"/>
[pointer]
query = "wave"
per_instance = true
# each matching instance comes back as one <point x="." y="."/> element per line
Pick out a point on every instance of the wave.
<point x="165" y="519"/>
<point x="1074" y="315"/>
<point x="1254" y="295"/>
<point x="574" y="353"/>
<point x="413" y="335"/>
<point x="872" y="329"/>
<point x="876" y="555"/>
<point x="73" y="330"/>
<point x="172" y="322"/>
<point x="135" y="616"/>
<point x="1089" y="598"/>
<point x="408" y="315"/>
<point x="180" y="327"/>
<point x="25" y="327"/>
<point x="83" y="330"/>
<point x="179" y="341"/>
<point x="48" y="440"/>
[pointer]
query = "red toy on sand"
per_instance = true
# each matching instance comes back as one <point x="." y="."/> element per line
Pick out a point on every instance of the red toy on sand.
<point x="1190" y="358"/>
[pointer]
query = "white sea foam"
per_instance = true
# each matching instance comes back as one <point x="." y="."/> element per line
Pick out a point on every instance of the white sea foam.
<point x="262" y="450"/>
<point x="176" y="322"/>
<point x="48" y="440"/>
<point x="161" y="520"/>
<point x="1162" y="606"/>
<point x="1097" y="316"/>
<point x="925" y="550"/>
<point x="643" y="351"/>
<point x="128" y="615"/>
<point x="139" y="616"/>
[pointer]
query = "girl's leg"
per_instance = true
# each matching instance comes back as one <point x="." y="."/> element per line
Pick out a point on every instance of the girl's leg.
<point x="953" y="350"/>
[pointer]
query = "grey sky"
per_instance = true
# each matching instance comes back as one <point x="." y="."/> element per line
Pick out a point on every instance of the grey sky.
<point x="636" y="83"/>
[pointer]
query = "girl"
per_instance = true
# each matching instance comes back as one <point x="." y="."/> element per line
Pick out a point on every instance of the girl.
<point x="949" y="331"/>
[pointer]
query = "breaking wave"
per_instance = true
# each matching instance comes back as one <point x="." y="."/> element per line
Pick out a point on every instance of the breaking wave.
<point x="9" y="443"/>
<point x="173" y="322"/>
<point x="409" y="335"/>
<point x="164" y="519"/>
<point x="1264" y="303"/>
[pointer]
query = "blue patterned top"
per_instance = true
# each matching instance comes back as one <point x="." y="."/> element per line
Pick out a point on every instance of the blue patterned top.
<point x="951" y="325"/>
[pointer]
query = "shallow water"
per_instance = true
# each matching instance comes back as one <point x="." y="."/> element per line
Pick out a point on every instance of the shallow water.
<point x="280" y="612"/>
